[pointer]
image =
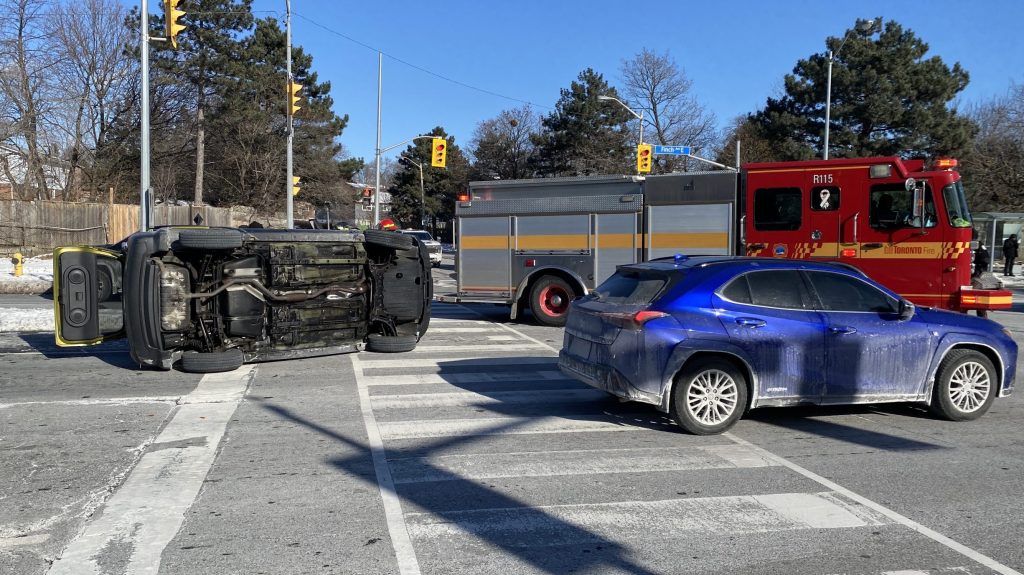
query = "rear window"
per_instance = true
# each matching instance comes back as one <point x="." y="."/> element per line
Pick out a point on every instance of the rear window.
<point x="769" y="288"/>
<point x="631" y="287"/>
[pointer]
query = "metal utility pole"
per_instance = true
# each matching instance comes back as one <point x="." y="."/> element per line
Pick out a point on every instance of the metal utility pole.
<point x="288" y="91"/>
<point x="144" y="200"/>
<point x="376" y="188"/>
<point x="423" y="205"/>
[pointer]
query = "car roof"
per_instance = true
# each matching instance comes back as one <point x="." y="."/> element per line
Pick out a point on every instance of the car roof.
<point x="681" y="261"/>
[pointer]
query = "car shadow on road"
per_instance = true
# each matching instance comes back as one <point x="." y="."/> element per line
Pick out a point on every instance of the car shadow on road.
<point x="807" y="419"/>
<point x="602" y="554"/>
<point x="114" y="353"/>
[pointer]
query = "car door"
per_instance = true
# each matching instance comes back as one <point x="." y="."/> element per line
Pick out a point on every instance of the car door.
<point x="769" y="315"/>
<point x="87" y="295"/>
<point x="870" y="353"/>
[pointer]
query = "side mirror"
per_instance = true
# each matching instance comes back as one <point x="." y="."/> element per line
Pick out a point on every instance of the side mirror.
<point x="906" y="310"/>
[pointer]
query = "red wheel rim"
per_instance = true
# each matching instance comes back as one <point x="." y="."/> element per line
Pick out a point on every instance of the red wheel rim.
<point x="554" y="300"/>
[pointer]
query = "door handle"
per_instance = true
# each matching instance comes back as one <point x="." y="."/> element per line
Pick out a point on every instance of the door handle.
<point x="842" y="329"/>
<point x="750" y="322"/>
<point x="872" y="246"/>
<point x="756" y="247"/>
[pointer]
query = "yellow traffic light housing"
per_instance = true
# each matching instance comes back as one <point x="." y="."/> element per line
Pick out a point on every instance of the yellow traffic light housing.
<point x="171" y="26"/>
<point x="293" y="97"/>
<point x="295" y="185"/>
<point x="644" y="153"/>
<point x="438" y="152"/>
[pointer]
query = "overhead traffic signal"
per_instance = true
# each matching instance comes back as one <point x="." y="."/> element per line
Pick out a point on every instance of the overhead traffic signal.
<point x="643" y="158"/>
<point x="293" y="97"/>
<point x="295" y="185"/>
<point x="171" y="26"/>
<point x="438" y="152"/>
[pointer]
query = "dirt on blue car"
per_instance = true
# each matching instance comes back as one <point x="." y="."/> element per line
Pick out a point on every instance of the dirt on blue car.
<point x="706" y="338"/>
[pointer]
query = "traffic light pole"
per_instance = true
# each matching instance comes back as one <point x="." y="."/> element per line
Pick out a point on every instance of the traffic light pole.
<point x="288" y="182"/>
<point x="144" y="199"/>
<point x="376" y="193"/>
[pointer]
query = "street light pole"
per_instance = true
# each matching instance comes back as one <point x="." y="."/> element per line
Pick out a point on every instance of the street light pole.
<point x="639" y="116"/>
<point x="863" y="27"/>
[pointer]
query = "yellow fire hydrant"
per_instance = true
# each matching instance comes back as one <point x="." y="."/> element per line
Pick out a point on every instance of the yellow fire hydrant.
<point x="19" y="264"/>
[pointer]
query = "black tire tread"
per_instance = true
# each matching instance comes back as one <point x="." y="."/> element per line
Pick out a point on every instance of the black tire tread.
<point x="390" y="343"/>
<point x="212" y="362"/>
<point x="210" y="239"/>
<point x="393" y="240"/>
<point x="538" y="313"/>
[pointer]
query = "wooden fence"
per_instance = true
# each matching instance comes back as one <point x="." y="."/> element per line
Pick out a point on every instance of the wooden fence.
<point x="40" y="226"/>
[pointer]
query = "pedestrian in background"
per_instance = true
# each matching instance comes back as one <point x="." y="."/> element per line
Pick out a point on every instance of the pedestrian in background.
<point x="1009" y="254"/>
<point x="982" y="260"/>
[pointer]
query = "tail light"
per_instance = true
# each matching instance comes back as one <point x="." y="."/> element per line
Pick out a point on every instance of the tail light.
<point x="633" y="321"/>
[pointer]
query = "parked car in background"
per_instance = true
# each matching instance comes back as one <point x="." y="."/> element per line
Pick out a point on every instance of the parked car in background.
<point x="433" y="246"/>
<point x="215" y="298"/>
<point x="707" y="338"/>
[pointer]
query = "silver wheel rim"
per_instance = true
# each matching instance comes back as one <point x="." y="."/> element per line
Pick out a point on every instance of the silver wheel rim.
<point x="712" y="397"/>
<point x="969" y="386"/>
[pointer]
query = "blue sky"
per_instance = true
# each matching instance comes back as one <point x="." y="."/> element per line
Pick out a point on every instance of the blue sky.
<point x="500" y="55"/>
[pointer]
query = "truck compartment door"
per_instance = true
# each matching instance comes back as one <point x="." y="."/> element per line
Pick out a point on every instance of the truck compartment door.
<point x="689" y="229"/>
<point x="485" y="256"/>
<point x="87" y="296"/>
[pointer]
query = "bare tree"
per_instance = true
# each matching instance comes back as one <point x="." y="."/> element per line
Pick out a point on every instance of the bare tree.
<point x="94" y="70"/>
<point x="502" y="146"/>
<point x="994" y="166"/>
<point x="672" y="115"/>
<point x="24" y="79"/>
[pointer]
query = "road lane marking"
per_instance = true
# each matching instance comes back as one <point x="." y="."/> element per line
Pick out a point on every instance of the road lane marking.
<point x="881" y="509"/>
<point x="546" y="525"/>
<point x="147" y="510"/>
<point x="97" y="401"/>
<point x="405" y="553"/>
<point x="473" y="399"/>
<point x="392" y="430"/>
<point x="436" y="362"/>
<point x="467" y="347"/>
<point x="478" y="466"/>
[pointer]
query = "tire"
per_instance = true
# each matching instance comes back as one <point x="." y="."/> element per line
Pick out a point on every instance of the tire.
<point x="709" y="396"/>
<point x="210" y="239"/>
<point x="390" y="343"/>
<point x="550" y="299"/>
<point x="965" y="386"/>
<point x="393" y="240"/>
<point x="104" y="285"/>
<point x="213" y="362"/>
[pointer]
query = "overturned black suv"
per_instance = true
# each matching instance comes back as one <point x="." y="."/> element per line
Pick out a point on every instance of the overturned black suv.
<point x="215" y="298"/>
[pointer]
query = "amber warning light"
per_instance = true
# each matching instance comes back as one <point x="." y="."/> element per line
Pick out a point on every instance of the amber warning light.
<point x="946" y="163"/>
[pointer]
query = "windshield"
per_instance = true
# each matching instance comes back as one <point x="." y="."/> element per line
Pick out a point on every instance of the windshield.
<point x="956" y="205"/>
<point x="420" y="235"/>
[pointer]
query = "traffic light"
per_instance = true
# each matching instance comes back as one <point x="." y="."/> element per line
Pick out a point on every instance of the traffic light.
<point x="438" y="152"/>
<point x="643" y="158"/>
<point x="171" y="26"/>
<point x="293" y="97"/>
<point x="295" y="185"/>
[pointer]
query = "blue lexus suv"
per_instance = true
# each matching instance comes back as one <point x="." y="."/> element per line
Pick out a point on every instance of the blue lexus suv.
<point x="706" y="338"/>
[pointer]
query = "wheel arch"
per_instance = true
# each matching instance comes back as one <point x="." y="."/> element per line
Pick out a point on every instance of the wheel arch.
<point x="734" y="358"/>
<point x="982" y="348"/>
<point x="522" y="293"/>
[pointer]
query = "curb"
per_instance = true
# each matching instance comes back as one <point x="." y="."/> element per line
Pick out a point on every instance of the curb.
<point x="33" y="287"/>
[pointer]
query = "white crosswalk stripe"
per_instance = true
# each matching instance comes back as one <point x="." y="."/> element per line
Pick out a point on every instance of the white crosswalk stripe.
<point x="451" y="421"/>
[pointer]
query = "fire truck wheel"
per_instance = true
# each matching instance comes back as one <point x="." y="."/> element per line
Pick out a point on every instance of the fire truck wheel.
<point x="965" y="386"/>
<point x="549" y="300"/>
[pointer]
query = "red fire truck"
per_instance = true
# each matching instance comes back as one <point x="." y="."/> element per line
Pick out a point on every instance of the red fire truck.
<point x="540" y="243"/>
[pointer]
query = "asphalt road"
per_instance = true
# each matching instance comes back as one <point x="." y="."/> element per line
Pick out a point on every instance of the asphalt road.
<point x="472" y="454"/>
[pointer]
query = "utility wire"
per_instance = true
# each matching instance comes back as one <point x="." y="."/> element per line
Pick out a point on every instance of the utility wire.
<point x="420" y="68"/>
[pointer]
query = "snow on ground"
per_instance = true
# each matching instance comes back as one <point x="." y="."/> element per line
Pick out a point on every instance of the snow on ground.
<point x="14" y="319"/>
<point x="37" y="275"/>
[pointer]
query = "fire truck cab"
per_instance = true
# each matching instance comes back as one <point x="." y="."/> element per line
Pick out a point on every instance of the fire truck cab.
<point x="906" y="227"/>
